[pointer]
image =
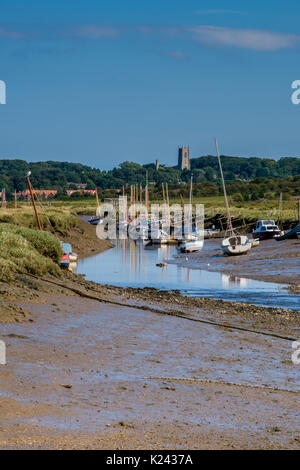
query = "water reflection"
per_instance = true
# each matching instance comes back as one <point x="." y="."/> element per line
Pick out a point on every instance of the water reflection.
<point x="229" y="281"/>
<point x="131" y="264"/>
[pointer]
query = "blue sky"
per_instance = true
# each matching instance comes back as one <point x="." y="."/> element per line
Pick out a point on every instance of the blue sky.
<point x="101" y="82"/>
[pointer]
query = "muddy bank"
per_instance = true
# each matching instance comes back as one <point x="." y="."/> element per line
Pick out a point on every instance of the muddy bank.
<point x="271" y="261"/>
<point x="94" y="375"/>
<point x="84" y="240"/>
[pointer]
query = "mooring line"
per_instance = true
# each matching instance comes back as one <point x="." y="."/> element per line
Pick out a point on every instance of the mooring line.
<point x="173" y="313"/>
<point x="221" y="382"/>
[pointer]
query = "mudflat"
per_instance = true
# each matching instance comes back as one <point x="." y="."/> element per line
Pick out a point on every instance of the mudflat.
<point x="104" y="367"/>
<point x="271" y="261"/>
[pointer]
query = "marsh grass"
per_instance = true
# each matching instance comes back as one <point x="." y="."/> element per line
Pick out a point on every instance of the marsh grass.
<point x="60" y="220"/>
<point x="25" y="250"/>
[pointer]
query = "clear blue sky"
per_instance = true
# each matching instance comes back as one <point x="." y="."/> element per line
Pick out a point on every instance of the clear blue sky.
<point x="100" y="82"/>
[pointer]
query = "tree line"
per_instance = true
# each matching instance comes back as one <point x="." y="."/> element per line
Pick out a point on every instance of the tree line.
<point x="247" y="178"/>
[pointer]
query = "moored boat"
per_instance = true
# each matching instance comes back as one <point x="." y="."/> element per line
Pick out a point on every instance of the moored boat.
<point x="67" y="250"/>
<point x="65" y="262"/>
<point x="94" y="220"/>
<point x="189" y="246"/>
<point x="266" y="229"/>
<point x="255" y="242"/>
<point x="235" y="244"/>
<point x="290" y="234"/>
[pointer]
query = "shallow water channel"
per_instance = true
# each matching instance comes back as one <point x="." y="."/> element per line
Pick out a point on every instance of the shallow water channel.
<point x="130" y="264"/>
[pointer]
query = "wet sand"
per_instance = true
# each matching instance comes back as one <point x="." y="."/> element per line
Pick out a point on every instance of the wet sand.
<point x="142" y="368"/>
<point x="270" y="261"/>
<point x="84" y="240"/>
<point x="132" y="373"/>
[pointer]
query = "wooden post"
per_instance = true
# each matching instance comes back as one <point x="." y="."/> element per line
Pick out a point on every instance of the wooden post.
<point x="33" y="202"/>
<point x="167" y="191"/>
<point x="3" y="198"/>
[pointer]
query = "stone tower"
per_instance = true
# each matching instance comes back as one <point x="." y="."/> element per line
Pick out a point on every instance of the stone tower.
<point x="184" y="158"/>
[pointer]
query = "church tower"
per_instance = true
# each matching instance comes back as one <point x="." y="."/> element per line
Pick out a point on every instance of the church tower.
<point x="184" y="158"/>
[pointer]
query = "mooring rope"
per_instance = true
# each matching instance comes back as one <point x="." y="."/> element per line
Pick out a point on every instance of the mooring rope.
<point x="221" y="382"/>
<point x="174" y="313"/>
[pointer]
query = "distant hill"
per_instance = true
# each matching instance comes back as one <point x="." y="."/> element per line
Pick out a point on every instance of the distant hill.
<point x="48" y="175"/>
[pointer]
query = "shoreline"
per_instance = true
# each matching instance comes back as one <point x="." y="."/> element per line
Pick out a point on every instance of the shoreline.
<point x="271" y="261"/>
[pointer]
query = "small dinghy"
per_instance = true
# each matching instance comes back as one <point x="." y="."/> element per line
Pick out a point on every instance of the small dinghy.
<point x="235" y="244"/>
<point x="65" y="262"/>
<point x="67" y="250"/>
<point x="189" y="246"/>
<point x="255" y="242"/>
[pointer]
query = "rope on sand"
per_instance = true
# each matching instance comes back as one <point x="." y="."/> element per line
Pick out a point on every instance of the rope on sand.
<point x="221" y="382"/>
<point x="173" y="313"/>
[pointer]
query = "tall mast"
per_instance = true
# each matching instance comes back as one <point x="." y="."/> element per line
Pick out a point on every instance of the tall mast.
<point x="33" y="201"/>
<point x="163" y="191"/>
<point x="229" y="224"/>
<point x="191" y="189"/>
<point x="167" y="194"/>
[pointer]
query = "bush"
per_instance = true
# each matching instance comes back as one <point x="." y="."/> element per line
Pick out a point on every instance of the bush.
<point x="24" y="250"/>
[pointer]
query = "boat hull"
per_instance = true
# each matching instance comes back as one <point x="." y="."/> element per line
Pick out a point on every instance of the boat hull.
<point x="266" y="235"/>
<point x="236" y="245"/>
<point x="291" y="234"/>
<point x="95" y="221"/>
<point x="190" y="246"/>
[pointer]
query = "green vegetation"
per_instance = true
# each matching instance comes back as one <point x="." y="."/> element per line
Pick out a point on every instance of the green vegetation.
<point x="238" y="170"/>
<point x="60" y="220"/>
<point x="25" y="250"/>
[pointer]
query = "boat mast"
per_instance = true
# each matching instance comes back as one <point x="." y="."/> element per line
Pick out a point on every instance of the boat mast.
<point x="229" y="223"/>
<point x="97" y="202"/>
<point x="191" y="188"/>
<point x="33" y="201"/>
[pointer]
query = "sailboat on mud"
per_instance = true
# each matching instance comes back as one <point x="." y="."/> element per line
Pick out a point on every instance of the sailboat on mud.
<point x="192" y="242"/>
<point x="96" y="219"/>
<point x="235" y="244"/>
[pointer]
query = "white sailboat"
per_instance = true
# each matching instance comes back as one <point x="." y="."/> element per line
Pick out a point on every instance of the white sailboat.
<point x="192" y="242"/>
<point x="235" y="244"/>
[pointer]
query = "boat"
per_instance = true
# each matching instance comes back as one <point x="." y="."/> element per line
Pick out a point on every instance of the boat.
<point x="65" y="262"/>
<point x="95" y="219"/>
<point x="67" y="250"/>
<point x="235" y="244"/>
<point x="298" y="235"/>
<point x="191" y="241"/>
<point x="73" y="257"/>
<point x="255" y="242"/>
<point x="290" y="234"/>
<point x="266" y="229"/>
<point x="211" y="232"/>
<point x="190" y="246"/>
<point x="159" y="237"/>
